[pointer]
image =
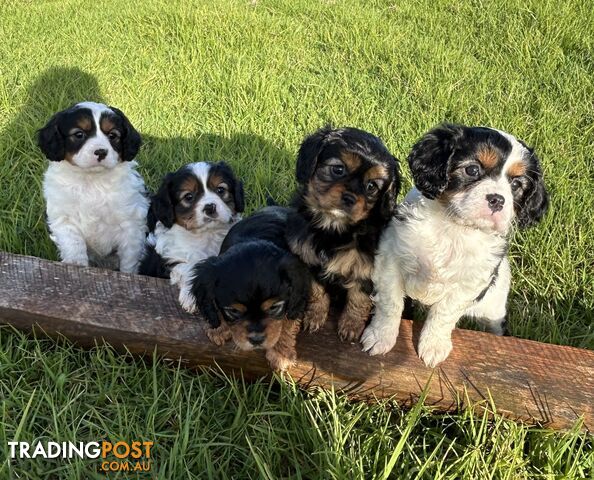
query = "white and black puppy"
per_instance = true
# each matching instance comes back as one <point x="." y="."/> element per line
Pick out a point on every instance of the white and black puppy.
<point x="447" y="245"/>
<point x="189" y="217"/>
<point x="96" y="201"/>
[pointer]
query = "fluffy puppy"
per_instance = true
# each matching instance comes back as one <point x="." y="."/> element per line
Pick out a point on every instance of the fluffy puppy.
<point x="447" y="246"/>
<point x="96" y="201"/>
<point x="256" y="291"/>
<point x="348" y="183"/>
<point x="189" y="217"/>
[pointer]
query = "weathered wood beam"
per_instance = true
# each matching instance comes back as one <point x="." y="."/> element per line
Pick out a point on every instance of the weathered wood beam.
<point x="527" y="381"/>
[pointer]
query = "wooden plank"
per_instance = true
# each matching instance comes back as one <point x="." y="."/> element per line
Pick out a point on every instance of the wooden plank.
<point x="527" y="381"/>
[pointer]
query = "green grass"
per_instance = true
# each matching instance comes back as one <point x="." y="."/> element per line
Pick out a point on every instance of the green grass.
<point x="245" y="81"/>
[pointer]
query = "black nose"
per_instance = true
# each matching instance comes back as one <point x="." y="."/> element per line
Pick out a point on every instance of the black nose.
<point x="496" y="202"/>
<point x="101" y="153"/>
<point x="348" y="199"/>
<point x="210" y="209"/>
<point x="257" y="339"/>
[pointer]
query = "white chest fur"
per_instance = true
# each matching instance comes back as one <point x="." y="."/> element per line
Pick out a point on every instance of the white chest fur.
<point x="435" y="254"/>
<point x="178" y="245"/>
<point x="102" y="206"/>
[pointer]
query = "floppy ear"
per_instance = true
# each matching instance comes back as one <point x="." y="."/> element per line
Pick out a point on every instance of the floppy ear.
<point x="234" y="183"/>
<point x="131" y="139"/>
<point x="388" y="206"/>
<point x="307" y="158"/>
<point x="295" y="286"/>
<point x="161" y="206"/>
<point x="238" y="196"/>
<point x="50" y="140"/>
<point x="203" y="283"/>
<point x="430" y="157"/>
<point x="535" y="203"/>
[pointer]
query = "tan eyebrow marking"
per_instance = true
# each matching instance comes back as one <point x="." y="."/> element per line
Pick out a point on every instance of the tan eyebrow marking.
<point x="106" y="124"/>
<point x="239" y="306"/>
<point x="375" y="172"/>
<point x="266" y="304"/>
<point x="351" y="160"/>
<point x="214" y="180"/>
<point x="84" y="123"/>
<point x="488" y="157"/>
<point x="516" y="169"/>
<point x="189" y="185"/>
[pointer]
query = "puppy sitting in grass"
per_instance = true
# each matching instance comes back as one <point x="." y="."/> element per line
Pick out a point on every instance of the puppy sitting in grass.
<point x="447" y="246"/>
<point x="96" y="200"/>
<point x="348" y="183"/>
<point x="255" y="292"/>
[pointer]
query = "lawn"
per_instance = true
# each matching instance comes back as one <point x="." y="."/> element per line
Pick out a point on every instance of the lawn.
<point x="244" y="81"/>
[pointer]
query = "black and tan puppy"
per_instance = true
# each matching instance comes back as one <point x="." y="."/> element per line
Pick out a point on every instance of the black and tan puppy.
<point x="256" y="291"/>
<point x="348" y="183"/>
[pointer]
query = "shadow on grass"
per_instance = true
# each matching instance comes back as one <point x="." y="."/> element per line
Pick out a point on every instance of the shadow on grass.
<point x="22" y="227"/>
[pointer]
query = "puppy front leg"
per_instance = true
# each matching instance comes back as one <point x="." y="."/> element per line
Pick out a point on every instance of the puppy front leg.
<point x="283" y="354"/>
<point x="317" y="308"/>
<point x="218" y="335"/>
<point x="435" y="342"/>
<point x="130" y="249"/>
<point x="356" y="312"/>
<point x="381" y="334"/>
<point x="182" y="276"/>
<point x="71" y="244"/>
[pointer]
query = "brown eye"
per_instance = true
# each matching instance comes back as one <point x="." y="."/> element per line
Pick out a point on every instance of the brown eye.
<point x="79" y="134"/>
<point x="221" y="189"/>
<point x="232" y="314"/>
<point x="516" y="184"/>
<point x="277" y="309"/>
<point x="188" y="197"/>
<point x="371" y="188"/>
<point x="337" y="170"/>
<point x="472" y="170"/>
<point x="114" y="134"/>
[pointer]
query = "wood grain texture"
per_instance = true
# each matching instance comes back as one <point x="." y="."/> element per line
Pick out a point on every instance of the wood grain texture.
<point x="528" y="381"/>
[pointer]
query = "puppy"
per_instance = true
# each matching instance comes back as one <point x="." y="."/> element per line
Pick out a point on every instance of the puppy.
<point x="348" y="183"/>
<point x="189" y="217"/>
<point x="96" y="201"/>
<point x="447" y="245"/>
<point x="256" y="291"/>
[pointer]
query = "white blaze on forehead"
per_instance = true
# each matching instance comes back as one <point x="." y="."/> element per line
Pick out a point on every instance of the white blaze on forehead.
<point x="201" y="170"/>
<point x="97" y="109"/>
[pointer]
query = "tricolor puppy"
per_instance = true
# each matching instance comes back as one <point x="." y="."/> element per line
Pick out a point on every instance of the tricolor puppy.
<point x="447" y="245"/>
<point x="189" y="217"/>
<point x="96" y="201"/>
<point x="256" y="291"/>
<point x="348" y="183"/>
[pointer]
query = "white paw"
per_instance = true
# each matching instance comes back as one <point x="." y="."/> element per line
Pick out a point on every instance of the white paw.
<point x="80" y="261"/>
<point x="129" y="268"/>
<point x="378" y="340"/>
<point x="175" y="277"/>
<point x="187" y="300"/>
<point x="434" y="349"/>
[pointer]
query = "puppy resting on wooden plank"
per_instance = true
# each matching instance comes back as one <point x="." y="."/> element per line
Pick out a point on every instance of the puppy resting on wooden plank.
<point x="447" y="246"/>
<point x="256" y="291"/>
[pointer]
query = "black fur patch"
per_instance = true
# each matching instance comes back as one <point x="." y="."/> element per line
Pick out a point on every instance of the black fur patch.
<point x="255" y="264"/>
<point x="492" y="281"/>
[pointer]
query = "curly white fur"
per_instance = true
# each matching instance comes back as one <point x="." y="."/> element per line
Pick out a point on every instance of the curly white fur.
<point x="442" y="264"/>
<point x="96" y="212"/>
